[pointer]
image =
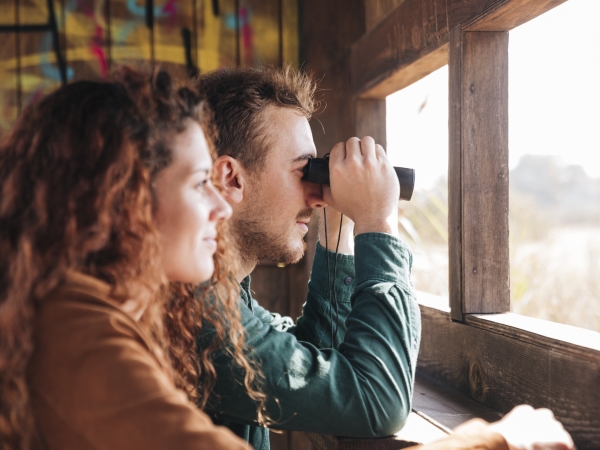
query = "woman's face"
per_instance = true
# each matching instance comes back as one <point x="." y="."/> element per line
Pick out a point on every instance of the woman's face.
<point x="189" y="207"/>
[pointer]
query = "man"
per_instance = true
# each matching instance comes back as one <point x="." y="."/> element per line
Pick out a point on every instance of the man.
<point x="359" y="383"/>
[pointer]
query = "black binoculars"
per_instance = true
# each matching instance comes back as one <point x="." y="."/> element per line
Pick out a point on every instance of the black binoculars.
<point x="317" y="171"/>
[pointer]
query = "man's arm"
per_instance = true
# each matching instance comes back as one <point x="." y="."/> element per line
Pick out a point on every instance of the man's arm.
<point x="364" y="388"/>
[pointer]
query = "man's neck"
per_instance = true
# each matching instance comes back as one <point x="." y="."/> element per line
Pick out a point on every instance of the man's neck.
<point x="246" y="262"/>
<point x="245" y="268"/>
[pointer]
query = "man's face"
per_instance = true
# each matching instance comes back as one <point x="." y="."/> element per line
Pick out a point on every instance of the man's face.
<point x="277" y="206"/>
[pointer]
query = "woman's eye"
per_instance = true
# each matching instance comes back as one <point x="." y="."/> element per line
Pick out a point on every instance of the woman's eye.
<point x="201" y="184"/>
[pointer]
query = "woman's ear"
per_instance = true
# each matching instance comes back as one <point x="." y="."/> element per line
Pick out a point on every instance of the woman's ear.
<point x="229" y="176"/>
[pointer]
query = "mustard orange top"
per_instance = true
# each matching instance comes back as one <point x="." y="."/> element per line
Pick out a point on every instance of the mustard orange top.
<point x="95" y="384"/>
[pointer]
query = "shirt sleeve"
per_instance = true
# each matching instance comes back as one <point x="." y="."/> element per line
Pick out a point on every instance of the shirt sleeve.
<point x="327" y="304"/>
<point x="95" y="384"/>
<point x="361" y="389"/>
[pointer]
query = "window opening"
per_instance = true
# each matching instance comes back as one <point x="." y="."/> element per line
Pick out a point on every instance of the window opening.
<point x="554" y="112"/>
<point x="417" y="137"/>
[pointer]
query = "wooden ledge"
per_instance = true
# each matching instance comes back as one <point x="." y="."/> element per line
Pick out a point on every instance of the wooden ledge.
<point x="436" y="409"/>
<point x="556" y="336"/>
<point x="504" y="360"/>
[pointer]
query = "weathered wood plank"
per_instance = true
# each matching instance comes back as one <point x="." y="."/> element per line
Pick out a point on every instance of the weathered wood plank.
<point x="371" y="120"/>
<point x="506" y="15"/>
<point x="377" y="10"/>
<point x="413" y="72"/>
<point x="484" y="159"/>
<point x="446" y="406"/>
<point x="502" y="371"/>
<point x="550" y="335"/>
<point x="418" y="27"/>
<point x="455" y="229"/>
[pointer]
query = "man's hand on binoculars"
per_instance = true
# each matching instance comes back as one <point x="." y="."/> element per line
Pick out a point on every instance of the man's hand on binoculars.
<point x="364" y="186"/>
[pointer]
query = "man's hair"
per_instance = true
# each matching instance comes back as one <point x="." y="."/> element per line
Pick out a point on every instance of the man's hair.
<point x="239" y="97"/>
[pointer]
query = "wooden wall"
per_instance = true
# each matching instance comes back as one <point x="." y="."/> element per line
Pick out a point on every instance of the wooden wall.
<point x="184" y="36"/>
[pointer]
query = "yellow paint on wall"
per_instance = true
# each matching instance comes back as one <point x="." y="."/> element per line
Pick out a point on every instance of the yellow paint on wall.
<point x="208" y="47"/>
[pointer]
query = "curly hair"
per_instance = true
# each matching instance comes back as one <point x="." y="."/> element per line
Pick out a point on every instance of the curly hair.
<point x="76" y="176"/>
<point x="238" y="98"/>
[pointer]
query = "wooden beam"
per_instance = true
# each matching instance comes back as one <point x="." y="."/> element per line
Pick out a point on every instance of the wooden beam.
<point x="503" y="368"/>
<point x="478" y="173"/>
<point x="413" y="72"/>
<point x="417" y="28"/>
<point x="504" y="16"/>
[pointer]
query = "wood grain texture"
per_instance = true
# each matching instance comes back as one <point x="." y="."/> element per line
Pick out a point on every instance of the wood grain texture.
<point x="411" y="73"/>
<point x="502" y="370"/>
<point x="447" y="406"/>
<point x="506" y="15"/>
<point x="377" y="10"/>
<point x="371" y="120"/>
<point x="326" y="442"/>
<point x="416" y="28"/>
<point x="575" y="341"/>
<point x="455" y="229"/>
<point x="484" y="174"/>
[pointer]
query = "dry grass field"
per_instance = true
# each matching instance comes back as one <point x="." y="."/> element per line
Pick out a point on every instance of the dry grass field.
<point x="555" y="264"/>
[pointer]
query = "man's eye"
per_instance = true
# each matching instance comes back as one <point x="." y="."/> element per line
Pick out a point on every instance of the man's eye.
<point x="201" y="184"/>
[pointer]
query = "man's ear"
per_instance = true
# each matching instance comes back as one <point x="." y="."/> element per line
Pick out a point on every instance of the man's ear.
<point x="230" y="177"/>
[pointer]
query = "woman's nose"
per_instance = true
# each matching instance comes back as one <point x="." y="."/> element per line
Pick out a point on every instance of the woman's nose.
<point x="221" y="208"/>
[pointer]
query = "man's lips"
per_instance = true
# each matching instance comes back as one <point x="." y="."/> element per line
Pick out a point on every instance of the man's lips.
<point x="303" y="223"/>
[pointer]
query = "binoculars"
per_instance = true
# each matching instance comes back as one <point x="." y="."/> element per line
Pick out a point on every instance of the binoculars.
<point x="317" y="171"/>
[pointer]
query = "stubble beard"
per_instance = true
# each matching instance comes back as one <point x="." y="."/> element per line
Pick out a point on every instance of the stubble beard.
<point x="256" y="239"/>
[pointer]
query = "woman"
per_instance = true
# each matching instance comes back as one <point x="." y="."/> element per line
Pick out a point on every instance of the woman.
<point x="107" y="212"/>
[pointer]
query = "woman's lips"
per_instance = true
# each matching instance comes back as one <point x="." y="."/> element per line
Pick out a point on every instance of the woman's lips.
<point x="211" y="243"/>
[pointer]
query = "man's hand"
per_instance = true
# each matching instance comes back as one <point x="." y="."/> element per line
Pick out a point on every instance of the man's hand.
<point x="525" y="428"/>
<point x="363" y="186"/>
<point x="346" y="234"/>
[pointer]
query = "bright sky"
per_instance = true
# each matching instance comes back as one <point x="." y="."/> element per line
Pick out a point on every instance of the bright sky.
<point x="554" y="98"/>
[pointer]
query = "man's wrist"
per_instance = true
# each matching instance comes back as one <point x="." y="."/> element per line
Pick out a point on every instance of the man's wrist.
<point x="388" y="225"/>
<point x="346" y="236"/>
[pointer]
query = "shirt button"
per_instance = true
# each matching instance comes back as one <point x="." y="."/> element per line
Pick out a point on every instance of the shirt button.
<point x="348" y="280"/>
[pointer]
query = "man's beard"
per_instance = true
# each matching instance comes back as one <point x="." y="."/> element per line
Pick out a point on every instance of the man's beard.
<point x="256" y="240"/>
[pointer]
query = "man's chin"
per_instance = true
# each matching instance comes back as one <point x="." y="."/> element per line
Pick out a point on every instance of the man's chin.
<point x="295" y="253"/>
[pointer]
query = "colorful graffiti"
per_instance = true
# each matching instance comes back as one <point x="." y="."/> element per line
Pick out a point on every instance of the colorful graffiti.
<point x="183" y="36"/>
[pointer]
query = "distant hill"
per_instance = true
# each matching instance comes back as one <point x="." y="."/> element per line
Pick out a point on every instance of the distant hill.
<point x="565" y="193"/>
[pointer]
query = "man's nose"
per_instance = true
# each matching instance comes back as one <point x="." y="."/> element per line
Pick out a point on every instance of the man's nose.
<point x="313" y="195"/>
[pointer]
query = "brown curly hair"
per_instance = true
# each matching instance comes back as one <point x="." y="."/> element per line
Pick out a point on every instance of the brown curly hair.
<point x="75" y="194"/>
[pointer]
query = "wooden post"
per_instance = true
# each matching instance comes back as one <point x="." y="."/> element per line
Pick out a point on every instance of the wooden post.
<point x="370" y="120"/>
<point x="478" y="173"/>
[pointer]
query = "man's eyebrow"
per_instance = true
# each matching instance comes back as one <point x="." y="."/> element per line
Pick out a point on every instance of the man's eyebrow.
<point x="304" y="157"/>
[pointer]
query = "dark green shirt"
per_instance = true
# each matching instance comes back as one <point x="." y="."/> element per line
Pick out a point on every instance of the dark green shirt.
<point x="363" y="387"/>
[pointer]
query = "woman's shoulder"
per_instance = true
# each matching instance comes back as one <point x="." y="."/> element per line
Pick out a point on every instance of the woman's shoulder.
<point x="83" y="304"/>
<point x="82" y="335"/>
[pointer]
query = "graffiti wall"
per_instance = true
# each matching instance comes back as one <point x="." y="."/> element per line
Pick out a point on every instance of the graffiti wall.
<point x="44" y="43"/>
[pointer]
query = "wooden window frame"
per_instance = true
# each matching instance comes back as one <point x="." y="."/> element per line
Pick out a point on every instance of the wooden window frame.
<point x="496" y="357"/>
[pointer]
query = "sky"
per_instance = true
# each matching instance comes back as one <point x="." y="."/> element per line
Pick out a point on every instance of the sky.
<point x="554" y="98"/>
